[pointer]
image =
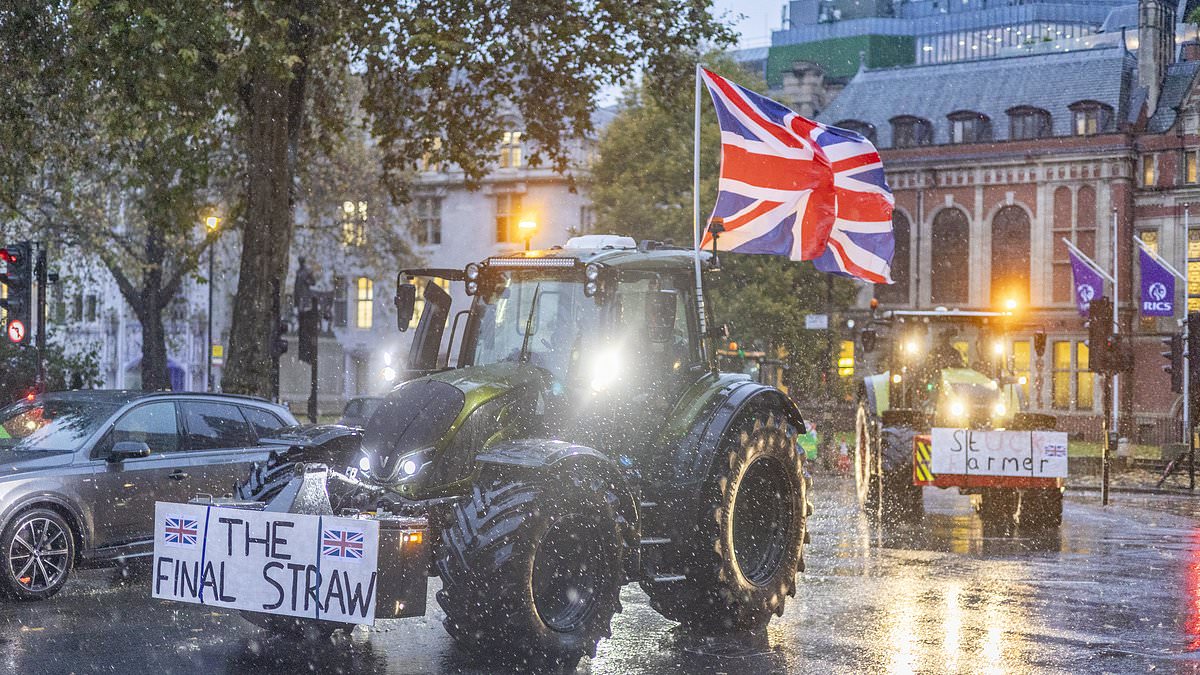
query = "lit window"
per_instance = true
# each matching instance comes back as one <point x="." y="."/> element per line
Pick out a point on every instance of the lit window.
<point x="1090" y="117"/>
<point x="1021" y="364"/>
<point x="1071" y="373"/>
<point x="1193" y="252"/>
<point x="510" y="150"/>
<point x="354" y="223"/>
<point x="365" y="316"/>
<point x="1149" y="170"/>
<point x="429" y="220"/>
<point x="1190" y="172"/>
<point x="428" y="162"/>
<point x="508" y="212"/>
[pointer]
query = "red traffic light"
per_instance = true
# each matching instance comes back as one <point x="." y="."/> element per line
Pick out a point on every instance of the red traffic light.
<point x="16" y="331"/>
<point x="9" y="256"/>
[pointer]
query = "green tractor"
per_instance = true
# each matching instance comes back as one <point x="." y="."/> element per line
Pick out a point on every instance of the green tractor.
<point x="572" y="435"/>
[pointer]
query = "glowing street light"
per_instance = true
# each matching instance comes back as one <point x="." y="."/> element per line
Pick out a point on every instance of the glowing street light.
<point x="527" y="226"/>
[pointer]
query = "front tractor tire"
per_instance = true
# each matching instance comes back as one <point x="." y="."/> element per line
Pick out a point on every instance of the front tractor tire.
<point x="742" y="562"/>
<point x="532" y="566"/>
<point x="865" y="482"/>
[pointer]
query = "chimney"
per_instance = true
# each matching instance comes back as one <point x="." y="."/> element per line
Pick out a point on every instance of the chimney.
<point x="1156" y="47"/>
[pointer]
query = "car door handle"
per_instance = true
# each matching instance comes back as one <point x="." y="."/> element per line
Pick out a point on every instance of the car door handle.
<point x="177" y="475"/>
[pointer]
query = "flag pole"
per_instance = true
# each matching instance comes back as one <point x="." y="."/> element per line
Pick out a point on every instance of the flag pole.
<point x="1088" y="261"/>
<point x="696" y="216"/>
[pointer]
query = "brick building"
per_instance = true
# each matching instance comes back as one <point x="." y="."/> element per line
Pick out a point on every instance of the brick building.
<point x="993" y="162"/>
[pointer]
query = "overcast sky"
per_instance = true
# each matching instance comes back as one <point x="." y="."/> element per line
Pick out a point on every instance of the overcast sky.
<point x="754" y="19"/>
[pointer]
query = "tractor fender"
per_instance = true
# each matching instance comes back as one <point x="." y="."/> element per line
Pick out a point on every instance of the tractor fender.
<point x="545" y="456"/>
<point x="694" y="455"/>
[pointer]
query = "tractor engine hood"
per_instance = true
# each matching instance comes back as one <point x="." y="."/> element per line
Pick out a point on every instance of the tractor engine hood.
<point x="416" y="415"/>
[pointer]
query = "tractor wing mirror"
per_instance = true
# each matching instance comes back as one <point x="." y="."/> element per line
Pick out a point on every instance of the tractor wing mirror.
<point x="406" y="303"/>
<point x="661" y="310"/>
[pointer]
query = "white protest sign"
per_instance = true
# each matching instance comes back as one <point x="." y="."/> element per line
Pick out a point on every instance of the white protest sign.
<point x="320" y="567"/>
<point x="1034" y="454"/>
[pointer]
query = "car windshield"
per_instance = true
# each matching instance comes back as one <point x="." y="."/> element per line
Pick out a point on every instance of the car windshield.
<point x="51" y="426"/>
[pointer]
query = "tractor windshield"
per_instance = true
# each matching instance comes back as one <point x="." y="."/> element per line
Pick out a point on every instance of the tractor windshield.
<point x="529" y="316"/>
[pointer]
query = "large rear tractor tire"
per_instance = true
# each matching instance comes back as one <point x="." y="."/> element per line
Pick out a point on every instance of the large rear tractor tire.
<point x="532" y="567"/>
<point x="998" y="507"/>
<point x="1040" y="508"/>
<point x="900" y="500"/>
<point x="741" y="565"/>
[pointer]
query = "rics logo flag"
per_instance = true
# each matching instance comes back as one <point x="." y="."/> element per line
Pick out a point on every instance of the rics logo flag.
<point x="1086" y="293"/>
<point x="1158" y="291"/>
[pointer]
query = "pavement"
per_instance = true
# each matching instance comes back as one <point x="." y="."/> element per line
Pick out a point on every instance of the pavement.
<point x="1116" y="589"/>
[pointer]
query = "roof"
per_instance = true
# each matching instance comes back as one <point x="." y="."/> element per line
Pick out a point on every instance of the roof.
<point x="123" y="396"/>
<point x="647" y="256"/>
<point x="989" y="87"/>
<point x="1175" y="88"/>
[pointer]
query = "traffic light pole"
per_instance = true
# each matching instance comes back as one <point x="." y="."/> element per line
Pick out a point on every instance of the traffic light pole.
<point x="40" y="343"/>
<point x="1187" y="391"/>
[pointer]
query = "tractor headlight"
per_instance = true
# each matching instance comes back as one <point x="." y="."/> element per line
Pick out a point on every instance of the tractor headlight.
<point x="472" y="272"/>
<point x="472" y="287"/>
<point x="590" y="288"/>
<point x="411" y="464"/>
<point x="958" y="408"/>
<point x="592" y="272"/>
<point x="364" y="464"/>
<point x="606" y="366"/>
<point x="999" y="410"/>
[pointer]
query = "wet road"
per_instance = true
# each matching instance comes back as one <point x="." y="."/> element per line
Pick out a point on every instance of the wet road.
<point x="1115" y="590"/>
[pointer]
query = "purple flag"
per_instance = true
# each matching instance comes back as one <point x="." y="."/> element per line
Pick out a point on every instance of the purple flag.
<point x="1089" y="285"/>
<point x="1158" y="287"/>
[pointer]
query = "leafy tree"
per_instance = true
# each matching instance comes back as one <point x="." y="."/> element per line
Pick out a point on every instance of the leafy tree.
<point x="111" y="144"/>
<point x="642" y="186"/>
<point x="18" y="370"/>
<point x="444" y="80"/>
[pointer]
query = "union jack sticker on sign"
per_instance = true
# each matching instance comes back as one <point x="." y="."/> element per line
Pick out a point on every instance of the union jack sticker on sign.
<point x="343" y="544"/>
<point x="181" y="531"/>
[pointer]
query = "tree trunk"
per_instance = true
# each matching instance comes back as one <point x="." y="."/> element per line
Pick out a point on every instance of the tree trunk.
<point x="266" y="237"/>
<point x="154" y="340"/>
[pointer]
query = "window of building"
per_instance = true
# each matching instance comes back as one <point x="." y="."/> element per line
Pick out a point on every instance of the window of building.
<point x="1191" y="166"/>
<point x="77" y="313"/>
<point x="1090" y="117"/>
<point x="1026" y="122"/>
<point x="864" y="129"/>
<point x="340" y="318"/>
<point x="508" y="212"/>
<point x="429" y="220"/>
<point x="950" y="273"/>
<point x="510" y="150"/>
<point x="428" y="162"/>
<point x="354" y="223"/>
<point x="365" y="314"/>
<point x="90" y="313"/>
<point x="1193" y="250"/>
<point x="969" y="127"/>
<point x="1077" y="223"/>
<point x="908" y="132"/>
<point x="1072" y="382"/>
<point x="1022" y="361"/>
<point x="1010" y="256"/>
<point x="897" y="293"/>
<point x="587" y="219"/>
<point x="1149" y="171"/>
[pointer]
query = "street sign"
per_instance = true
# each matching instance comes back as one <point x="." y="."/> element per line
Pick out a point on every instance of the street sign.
<point x="16" y="331"/>
<point x="816" y="322"/>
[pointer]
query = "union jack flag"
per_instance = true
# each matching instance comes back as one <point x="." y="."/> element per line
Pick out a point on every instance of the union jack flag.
<point x="342" y="544"/>
<point x="791" y="186"/>
<point x="181" y="531"/>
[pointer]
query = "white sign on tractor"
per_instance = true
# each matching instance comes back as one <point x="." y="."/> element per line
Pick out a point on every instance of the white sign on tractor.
<point x="318" y="567"/>
<point x="1033" y="454"/>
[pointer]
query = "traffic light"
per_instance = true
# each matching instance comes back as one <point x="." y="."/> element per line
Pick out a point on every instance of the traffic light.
<point x="280" y="346"/>
<point x="1099" y="325"/>
<point x="310" y="326"/>
<point x="1192" y="358"/>
<point x="1173" y="353"/>
<point x="18" y="298"/>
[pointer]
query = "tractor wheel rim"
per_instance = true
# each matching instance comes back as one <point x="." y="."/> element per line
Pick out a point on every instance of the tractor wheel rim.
<point x="763" y="512"/>
<point x="38" y="555"/>
<point x="567" y="574"/>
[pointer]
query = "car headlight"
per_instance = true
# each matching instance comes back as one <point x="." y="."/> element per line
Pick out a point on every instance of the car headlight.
<point x="958" y="408"/>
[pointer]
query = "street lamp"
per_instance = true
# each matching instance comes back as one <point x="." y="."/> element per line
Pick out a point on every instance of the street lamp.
<point x="527" y="227"/>
<point x="212" y="223"/>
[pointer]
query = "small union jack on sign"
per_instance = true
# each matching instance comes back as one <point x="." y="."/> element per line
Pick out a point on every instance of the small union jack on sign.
<point x="344" y="544"/>
<point x="181" y="531"/>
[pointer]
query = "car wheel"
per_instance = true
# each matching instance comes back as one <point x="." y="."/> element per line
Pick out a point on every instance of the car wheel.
<point x="39" y="550"/>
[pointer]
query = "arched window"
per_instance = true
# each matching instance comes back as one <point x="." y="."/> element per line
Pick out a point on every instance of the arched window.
<point x="968" y="126"/>
<point x="1010" y="256"/>
<point x="897" y="293"/>
<point x="864" y="129"/>
<point x="1027" y="122"/>
<point x="909" y="132"/>
<point x="1090" y="117"/>
<point x="1061" y="290"/>
<point x="950" y="271"/>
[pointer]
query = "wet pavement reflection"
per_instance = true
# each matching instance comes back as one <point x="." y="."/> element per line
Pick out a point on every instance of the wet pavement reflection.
<point x="1114" y="590"/>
